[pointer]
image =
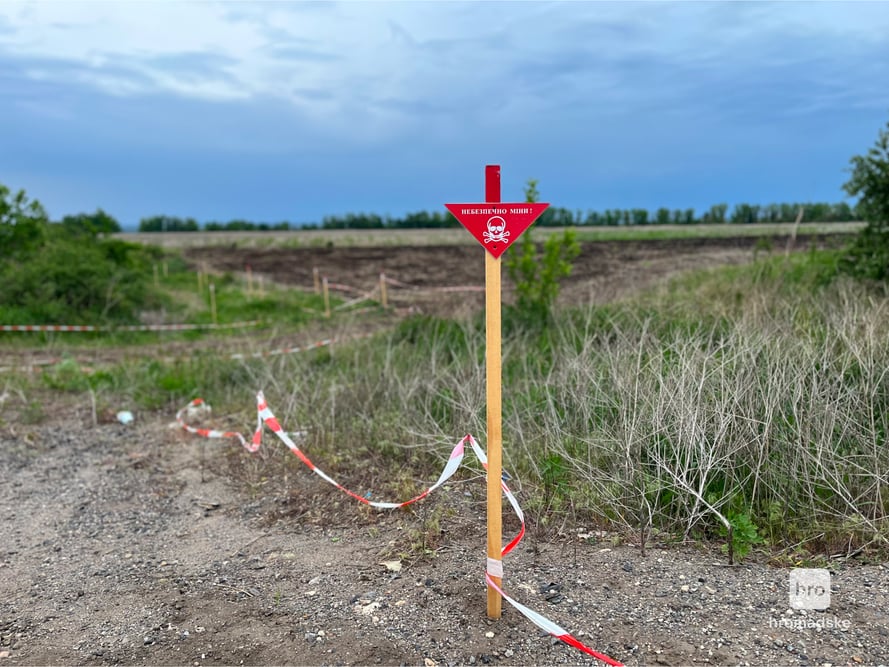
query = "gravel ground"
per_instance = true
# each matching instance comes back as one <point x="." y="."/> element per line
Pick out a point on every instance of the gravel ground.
<point x="119" y="546"/>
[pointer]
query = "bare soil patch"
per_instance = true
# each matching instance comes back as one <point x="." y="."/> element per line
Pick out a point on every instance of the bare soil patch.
<point x="603" y="272"/>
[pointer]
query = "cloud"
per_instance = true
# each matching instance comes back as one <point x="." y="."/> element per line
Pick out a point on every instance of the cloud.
<point x="288" y="52"/>
<point x="369" y="72"/>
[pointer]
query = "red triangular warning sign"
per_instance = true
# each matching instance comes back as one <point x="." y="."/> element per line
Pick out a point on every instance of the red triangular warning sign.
<point x="496" y="226"/>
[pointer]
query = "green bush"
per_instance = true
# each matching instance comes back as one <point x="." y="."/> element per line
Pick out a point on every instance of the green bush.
<point x="23" y="224"/>
<point x="868" y="256"/>
<point x="537" y="275"/>
<point x="67" y="273"/>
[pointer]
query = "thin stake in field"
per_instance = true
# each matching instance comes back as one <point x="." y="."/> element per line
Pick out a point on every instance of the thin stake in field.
<point x="495" y="225"/>
<point x="315" y="280"/>
<point x="213" y="303"/>
<point x="384" y="296"/>
<point x="326" y="297"/>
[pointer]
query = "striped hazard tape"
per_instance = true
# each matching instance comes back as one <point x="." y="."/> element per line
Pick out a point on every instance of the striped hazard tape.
<point x="266" y="417"/>
<point x="285" y="350"/>
<point x="420" y="288"/>
<point x="128" y="327"/>
<point x="30" y="367"/>
<point x="343" y="288"/>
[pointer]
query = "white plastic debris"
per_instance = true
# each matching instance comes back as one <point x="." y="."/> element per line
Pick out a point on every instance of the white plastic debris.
<point x="124" y="416"/>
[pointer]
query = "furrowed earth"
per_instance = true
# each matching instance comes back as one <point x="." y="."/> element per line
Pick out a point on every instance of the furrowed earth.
<point x="141" y="544"/>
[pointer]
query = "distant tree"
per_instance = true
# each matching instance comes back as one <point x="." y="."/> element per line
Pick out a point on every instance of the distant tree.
<point x="771" y="213"/>
<point x="167" y="223"/>
<point x="420" y="219"/>
<point x="817" y="212"/>
<point x="91" y="224"/>
<point x="868" y="255"/>
<point x="842" y="212"/>
<point x="238" y="226"/>
<point x="745" y="213"/>
<point x="640" y="216"/>
<point x="718" y="212"/>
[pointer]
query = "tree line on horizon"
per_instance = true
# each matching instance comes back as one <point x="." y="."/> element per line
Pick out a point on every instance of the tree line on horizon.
<point x="553" y="217"/>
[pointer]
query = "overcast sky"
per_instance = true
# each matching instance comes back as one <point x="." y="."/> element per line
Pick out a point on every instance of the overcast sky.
<point x="292" y="111"/>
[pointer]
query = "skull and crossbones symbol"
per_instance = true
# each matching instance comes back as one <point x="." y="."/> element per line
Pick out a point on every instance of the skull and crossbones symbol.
<point x="496" y="231"/>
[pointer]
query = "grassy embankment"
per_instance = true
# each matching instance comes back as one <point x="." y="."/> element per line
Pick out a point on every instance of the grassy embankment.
<point x="754" y="397"/>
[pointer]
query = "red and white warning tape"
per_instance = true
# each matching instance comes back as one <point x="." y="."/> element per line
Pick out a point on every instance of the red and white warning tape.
<point x="342" y="288"/>
<point x="129" y="327"/>
<point x="494" y="567"/>
<point x="238" y="355"/>
<point x="367" y="296"/>
<point x="419" y="288"/>
<point x="284" y="350"/>
<point x="304" y="348"/>
<point x="47" y="327"/>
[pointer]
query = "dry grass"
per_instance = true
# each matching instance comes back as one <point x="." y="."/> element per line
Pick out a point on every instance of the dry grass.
<point x="738" y="397"/>
<point x="742" y="401"/>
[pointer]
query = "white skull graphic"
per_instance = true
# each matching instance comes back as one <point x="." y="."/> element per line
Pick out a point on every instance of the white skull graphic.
<point x="496" y="230"/>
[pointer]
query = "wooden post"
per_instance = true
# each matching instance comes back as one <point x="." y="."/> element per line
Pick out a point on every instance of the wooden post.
<point x="492" y="381"/>
<point x="315" y="280"/>
<point x="213" y="303"/>
<point x="384" y="297"/>
<point x="326" y="297"/>
<point x="488" y="223"/>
